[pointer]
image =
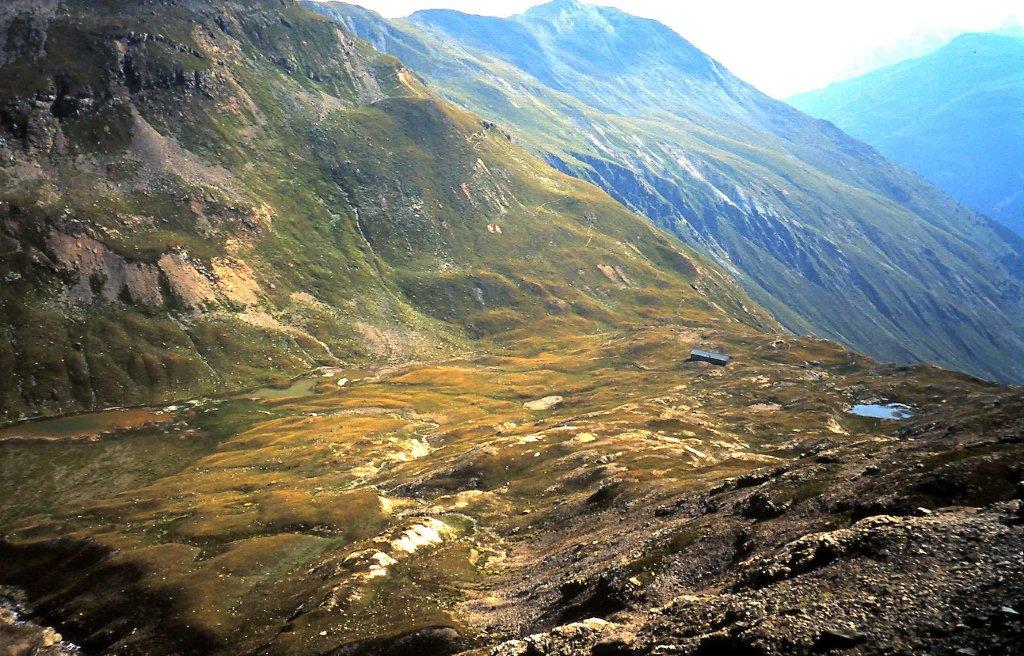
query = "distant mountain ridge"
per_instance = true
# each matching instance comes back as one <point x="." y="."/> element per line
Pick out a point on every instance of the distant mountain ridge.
<point x="820" y="228"/>
<point x="575" y="40"/>
<point x="956" y="116"/>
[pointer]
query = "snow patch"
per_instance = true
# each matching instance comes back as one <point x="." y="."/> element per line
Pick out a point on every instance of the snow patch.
<point x="427" y="533"/>
<point x="381" y="563"/>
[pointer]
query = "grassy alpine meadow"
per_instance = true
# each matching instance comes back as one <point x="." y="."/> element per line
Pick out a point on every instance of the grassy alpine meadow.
<point x="394" y="500"/>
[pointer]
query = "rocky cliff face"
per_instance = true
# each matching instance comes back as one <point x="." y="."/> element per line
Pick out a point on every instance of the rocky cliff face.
<point x="818" y="227"/>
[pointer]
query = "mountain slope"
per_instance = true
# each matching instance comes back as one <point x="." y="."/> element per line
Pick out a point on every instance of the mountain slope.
<point x="199" y="198"/>
<point x="819" y="228"/>
<point x="507" y="450"/>
<point x="953" y="115"/>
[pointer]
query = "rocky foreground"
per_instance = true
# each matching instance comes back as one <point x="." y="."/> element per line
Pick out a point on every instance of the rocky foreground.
<point x="902" y="581"/>
<point x="603" y="497"/>
<point x="20" y="637"/>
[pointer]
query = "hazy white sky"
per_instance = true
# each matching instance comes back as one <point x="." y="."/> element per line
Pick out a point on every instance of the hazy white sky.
<point x="787" y="46"/>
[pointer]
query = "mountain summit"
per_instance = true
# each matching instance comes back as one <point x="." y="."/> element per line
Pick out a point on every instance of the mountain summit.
<point x="559" y="8"/>
<point x="629" y="63"/>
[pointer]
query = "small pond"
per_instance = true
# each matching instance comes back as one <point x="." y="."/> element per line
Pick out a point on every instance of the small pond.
<point x="310" y="384"/>
<point x="894" y="411"/>
<point x="296" y="389"/>
<point x="88" y="424"/>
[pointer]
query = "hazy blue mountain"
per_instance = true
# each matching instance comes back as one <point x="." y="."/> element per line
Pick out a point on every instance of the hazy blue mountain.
<point x="820" y="228"/>
<point x="956" y="116"/>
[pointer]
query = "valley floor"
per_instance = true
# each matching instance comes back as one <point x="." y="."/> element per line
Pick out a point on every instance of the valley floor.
<point x="601" y="495"/>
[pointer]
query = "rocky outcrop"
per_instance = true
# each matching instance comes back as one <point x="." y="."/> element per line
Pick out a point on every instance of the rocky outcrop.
<point x="23" y="28"/>
<point x="546" y="403"/>
<point x="98" y="273"/>
<point x="590" y="636"/>
<point x="21" y="637"/>
<point x="948" y="581"/>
